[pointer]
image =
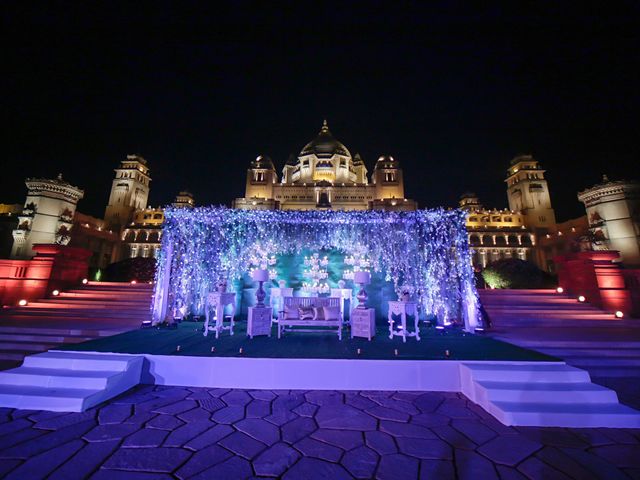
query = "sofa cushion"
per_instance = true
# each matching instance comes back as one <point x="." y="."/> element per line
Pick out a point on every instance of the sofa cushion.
<point x="305" y="313"/>
<point x="331" y="313"/>
<point x="291" y="313"/>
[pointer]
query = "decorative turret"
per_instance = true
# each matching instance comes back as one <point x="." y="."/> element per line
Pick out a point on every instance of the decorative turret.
<point x="47" y="216"/>
<point x="470" y="202"/>
<point x="528" y="192"/>
<point x="387" y="177"/>
<point x="613" y="212"/>
<point x="129" y="192"/>
<point x="261" y="176"/>
<point x="184" y="199"/>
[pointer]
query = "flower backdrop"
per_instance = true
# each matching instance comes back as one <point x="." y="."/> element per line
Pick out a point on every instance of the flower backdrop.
<point x="426" y="249"/>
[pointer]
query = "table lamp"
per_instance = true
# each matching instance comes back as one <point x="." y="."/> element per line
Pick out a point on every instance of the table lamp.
<point x="261" y="276"/>
<point x="362" y="278"/>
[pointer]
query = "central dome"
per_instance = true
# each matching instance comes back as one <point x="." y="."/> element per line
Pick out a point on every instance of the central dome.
<point x="324" y="145"/>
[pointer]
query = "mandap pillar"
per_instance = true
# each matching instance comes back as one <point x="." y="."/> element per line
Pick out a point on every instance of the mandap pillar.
<point x="161" y="294"/>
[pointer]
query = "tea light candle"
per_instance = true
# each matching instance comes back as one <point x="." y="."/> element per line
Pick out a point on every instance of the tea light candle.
<point x="447" y="353"/>
<point x="213" y="349"/>
<point x="241" y="351"/>
<point x="178" y="348"/>
<point x="359" y="351"/>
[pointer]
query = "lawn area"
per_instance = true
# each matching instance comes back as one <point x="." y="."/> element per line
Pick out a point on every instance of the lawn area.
<point x="188" y="336"/>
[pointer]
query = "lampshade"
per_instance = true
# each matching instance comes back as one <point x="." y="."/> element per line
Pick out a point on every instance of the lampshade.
<point x="259" y="275"/>
<point x="362" y="277"/>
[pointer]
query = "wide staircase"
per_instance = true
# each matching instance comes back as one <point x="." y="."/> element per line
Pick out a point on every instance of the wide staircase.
<point x="544" y="307"/>
<point x="94" y="310"/>
<point x="605" y="348"/>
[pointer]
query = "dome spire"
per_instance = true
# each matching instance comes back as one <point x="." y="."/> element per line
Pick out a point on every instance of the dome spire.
<point x="325" y="127"/>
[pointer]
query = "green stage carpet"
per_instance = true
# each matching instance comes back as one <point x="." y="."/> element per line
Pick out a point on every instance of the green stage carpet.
<point x="188" y="336"/>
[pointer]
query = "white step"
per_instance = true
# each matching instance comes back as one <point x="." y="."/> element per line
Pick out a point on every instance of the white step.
<point x="42" y="398"/>
<point x="496" y="391"/>
<point x="68" y="381"/>
<point x="584" y="415"/>
<point x="544" y="395"/>
<point x="78" y="361"/>
<point x="530" y="372"/>
<point x="59" y="378"/>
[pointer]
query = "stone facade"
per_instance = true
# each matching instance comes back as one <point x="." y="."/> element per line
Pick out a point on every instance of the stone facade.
<point x="141" y="238"/>
<point x="496" y="234"/>
<point x="515" y="232"/>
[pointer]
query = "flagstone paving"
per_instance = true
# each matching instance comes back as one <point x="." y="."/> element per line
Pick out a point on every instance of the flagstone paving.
<point x="183" y="433"/>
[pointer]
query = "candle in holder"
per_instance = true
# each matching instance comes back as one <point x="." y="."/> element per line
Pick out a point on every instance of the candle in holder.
<point x="213" y="349"/>
<point x="178" y="348"/>
<point x="447" y="353"/>
<point x="359" y="351"/>
<point x="395" y="352"/>
<point x="241" y="351"/>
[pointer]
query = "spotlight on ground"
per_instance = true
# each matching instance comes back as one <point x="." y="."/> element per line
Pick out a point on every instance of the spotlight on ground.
<point x="619" y="314"/>
<point x="85" y="281"/>
<point x="582" y="299"/>
<point x="55" y="293"/>
<point x="23" y="303"/>
<point x="479" y="330"/>
<point x="133" y="282"/>
<point x="439" y="327"/>
<point x="560" y="290"/>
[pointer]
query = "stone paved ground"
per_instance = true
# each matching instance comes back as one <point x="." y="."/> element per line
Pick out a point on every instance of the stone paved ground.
<point x="155" y="432"/>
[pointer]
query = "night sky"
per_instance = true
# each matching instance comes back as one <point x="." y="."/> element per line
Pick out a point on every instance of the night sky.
<point x="453" y="94"/>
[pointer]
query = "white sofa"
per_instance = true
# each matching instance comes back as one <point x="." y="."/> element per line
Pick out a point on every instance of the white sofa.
<point x="289" y="316"/>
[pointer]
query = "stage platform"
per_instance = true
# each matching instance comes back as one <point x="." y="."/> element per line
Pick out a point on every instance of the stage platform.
<point x="516" y="385"/>
<point x="310" y="345"/>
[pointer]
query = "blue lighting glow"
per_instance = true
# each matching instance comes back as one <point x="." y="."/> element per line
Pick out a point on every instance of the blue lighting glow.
<point x="425" y="249"/>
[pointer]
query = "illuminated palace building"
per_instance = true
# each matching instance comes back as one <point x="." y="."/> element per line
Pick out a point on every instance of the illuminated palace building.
<point x="325" y="175"/>
<point x="512" y="233"/>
